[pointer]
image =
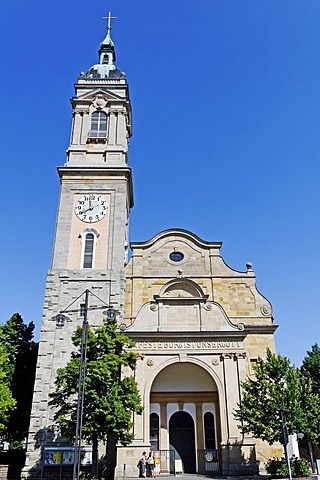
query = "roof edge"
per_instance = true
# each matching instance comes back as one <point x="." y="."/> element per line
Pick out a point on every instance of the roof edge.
<point x="180" y="232"/>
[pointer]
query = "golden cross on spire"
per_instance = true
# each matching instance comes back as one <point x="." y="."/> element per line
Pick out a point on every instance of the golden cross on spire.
<point x="109" y="18"/>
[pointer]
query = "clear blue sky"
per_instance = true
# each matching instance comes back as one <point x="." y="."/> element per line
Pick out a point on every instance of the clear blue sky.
<point x="226" y="123"/>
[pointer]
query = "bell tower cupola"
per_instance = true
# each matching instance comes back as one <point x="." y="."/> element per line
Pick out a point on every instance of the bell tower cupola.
<point x="101" y="125"/>
<point x="107" y="56"/>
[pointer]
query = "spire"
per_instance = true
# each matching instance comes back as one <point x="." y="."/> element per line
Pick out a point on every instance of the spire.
<point x="109" y="18"/>
<point x="107" y="56"/>
<point x="107" y="53"/>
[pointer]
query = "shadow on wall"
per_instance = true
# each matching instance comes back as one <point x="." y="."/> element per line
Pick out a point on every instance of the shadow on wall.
<point x="57" y="469"/>
<point x="46" y="437"/>
<point x="239" y="459"/>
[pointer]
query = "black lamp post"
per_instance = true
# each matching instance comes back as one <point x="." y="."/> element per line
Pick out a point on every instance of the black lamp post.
<point x="82" y="376"/>
<point x="285" y="438"/>
<point x="111" y="316"/>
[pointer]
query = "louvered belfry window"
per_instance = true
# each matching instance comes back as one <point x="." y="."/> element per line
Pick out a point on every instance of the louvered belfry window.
<point x="98" y="124"/>
<point x="88" y="251"/>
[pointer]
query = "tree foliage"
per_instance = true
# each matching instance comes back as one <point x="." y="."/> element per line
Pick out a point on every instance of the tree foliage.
<point x="16" y="340"/>
<point x="310" y="367"/>
<point x="7" y="403"/>
<point x="276" y="381"/>
<point x="109" y="399"/>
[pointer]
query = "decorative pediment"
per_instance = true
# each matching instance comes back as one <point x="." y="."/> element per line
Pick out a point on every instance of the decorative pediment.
<point x="181" y="288"/>
<point x="178" y="291"/>
<point x="104" y="93"/>
<point x="182" y="306"/>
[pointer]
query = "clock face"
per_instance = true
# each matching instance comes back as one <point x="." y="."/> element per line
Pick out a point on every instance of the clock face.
<point x="91" y="208"/>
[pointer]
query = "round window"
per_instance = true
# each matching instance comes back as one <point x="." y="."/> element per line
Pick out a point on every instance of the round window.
<point x="176" y="256"/>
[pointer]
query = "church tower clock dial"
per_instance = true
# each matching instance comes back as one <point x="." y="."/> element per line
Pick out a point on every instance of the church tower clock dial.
<point x="91" y="208"/>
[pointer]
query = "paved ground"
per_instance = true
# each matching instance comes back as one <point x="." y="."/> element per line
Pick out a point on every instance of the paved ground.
<point x="186" y="476"/>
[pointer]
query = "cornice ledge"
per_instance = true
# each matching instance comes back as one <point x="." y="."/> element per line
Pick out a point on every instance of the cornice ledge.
<point x="177" y="232"/>
<point x="191" y="336"/>
<point x="100" y="170"/>
<point x="261" y="328"/>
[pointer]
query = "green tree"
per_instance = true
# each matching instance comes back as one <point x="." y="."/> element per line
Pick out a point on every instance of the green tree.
<point x="16" y="339"/>
<point x="110" y="399"/>
<point x="310" y="378"/>
<point x="310" y="409"/>
<point x="310" y="367"/>
<point x="275" y="381"/>
<point x="7" y="403"/>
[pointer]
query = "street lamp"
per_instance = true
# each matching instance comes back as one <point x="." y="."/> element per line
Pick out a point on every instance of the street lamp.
<point x="60" y="319"/>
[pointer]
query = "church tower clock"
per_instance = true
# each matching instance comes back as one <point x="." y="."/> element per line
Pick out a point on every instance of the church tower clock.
<point x="91" y="238"/>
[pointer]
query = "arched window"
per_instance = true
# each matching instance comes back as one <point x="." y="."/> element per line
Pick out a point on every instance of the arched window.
<point x="209" y="431"/>
<point x="154" y="432"/>
<point x="88" y="250"/>
<point x="98" y="124"/>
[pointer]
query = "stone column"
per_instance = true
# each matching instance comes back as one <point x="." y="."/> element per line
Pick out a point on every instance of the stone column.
<point x="163" y="426"/>
<point x="241" y="369"/>
<point x="85" y="127"/>
<point x="113" y="119"/>
<point x="121" y="132"/>
<point x="199" y="426"/>
<point x="231" y="382"/>
<point x="76" y="130"/>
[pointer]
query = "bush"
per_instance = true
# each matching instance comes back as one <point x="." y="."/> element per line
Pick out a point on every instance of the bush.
<point x="278" y="467"/>
<point x="300" y="467"/>
<point x="273" y="466"/>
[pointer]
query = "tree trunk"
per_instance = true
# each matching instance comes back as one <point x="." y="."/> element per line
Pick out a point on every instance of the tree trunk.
<point x="111" y="456"/>
<point x="313" y="463"/>
<point x="95" y="459"/>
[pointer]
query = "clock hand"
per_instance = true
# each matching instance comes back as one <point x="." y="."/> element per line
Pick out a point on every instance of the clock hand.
<point x="87" y="210"/>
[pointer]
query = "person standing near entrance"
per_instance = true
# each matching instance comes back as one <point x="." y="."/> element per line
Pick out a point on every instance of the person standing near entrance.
<point x="142" y="465"/>
<point x="151" y="465"/>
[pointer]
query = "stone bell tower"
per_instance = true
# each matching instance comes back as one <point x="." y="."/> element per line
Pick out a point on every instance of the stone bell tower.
<point x="91" y="238"/>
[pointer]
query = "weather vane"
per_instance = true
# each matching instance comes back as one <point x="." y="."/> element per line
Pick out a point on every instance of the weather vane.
<point x="109" y="18"/>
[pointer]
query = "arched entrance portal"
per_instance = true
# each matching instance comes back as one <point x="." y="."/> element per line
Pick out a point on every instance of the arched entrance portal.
<point x="182" y="440"/>
<point x="184" y="417"/>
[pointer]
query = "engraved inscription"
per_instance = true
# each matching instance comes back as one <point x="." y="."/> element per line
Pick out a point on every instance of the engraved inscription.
<point x="203" y="345"/>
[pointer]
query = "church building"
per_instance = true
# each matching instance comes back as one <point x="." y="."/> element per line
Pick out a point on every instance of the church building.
<point x="198" y="325"/>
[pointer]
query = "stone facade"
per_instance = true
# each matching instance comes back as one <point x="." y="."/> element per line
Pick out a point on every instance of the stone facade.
<point x="199" y="325"/>
<point x="3" y="472"/>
